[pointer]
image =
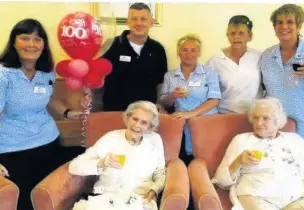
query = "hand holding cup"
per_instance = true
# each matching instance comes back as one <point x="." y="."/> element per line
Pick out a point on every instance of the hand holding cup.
<point x="258" y="154"/>
<point x="248" y="157"/>
<point x="180" y="92"/>
<point x="121" y="159"/>
<point x="110" y="160"/>
<point x="299" y="69"/>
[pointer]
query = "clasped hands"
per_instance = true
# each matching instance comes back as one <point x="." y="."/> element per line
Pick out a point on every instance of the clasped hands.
<point x="181" y="93"/>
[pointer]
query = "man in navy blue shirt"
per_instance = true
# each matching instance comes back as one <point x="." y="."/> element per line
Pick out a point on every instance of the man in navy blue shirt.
<point x="139" y="64"/>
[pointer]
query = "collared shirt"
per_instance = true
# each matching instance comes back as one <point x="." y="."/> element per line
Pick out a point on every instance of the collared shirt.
<point x="134" y="77"/>
<point x="202" y="85"/>
<point x="24" y="122"/>
<point x="240" y="83"/>
<point x="282" y="83"/>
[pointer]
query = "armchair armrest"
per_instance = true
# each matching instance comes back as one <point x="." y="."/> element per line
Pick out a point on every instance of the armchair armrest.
<point x="59" y="190"/>
<point x="203" y="192"/>
<point x="176" y="192"/>
<point x="9" y="193"/>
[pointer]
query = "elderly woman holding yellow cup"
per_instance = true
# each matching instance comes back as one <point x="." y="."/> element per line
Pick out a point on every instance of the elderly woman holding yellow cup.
<point x="264" y="169"/>
<point x="130" y="163"/>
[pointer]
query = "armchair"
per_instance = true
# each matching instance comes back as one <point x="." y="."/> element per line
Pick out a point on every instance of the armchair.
<point x="60" y="189"/>
<point x="211" y="136"/>
<point x="9" y="193"/>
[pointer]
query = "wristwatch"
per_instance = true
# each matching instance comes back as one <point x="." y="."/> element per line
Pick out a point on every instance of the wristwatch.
<point x="65" y="113"/>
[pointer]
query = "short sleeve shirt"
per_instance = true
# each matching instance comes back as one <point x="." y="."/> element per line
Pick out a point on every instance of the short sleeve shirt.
<point x="202" y="84"/>
<point x="282" y="83"/>
<point x="240" y="83"/>
<point x="134" y="77"/>
<point x="25" y="122"/>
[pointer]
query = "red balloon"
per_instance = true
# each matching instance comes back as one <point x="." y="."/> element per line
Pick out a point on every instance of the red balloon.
<point x="93" y="80"/>
<point x="78" y="68"/>
<point x="62" y="68"/>
<point x="79" y="35"/>
<point x="102" y="66"/>
<point x="73" y="84"/>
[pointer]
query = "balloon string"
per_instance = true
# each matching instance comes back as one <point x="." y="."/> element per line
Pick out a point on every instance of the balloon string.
<point x="87" y="112"/>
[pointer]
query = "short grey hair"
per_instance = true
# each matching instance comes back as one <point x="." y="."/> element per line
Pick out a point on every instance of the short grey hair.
<point x="145" y="106"/>
<point x="276" y="110"/>
<point x="288" y="9"/>
<point x="190" y="36"/>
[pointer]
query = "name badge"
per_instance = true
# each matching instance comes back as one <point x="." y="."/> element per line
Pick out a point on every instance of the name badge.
<point x="125" y="58"/>
<point x="39" y="90"/>
<point x="195" y="83"/>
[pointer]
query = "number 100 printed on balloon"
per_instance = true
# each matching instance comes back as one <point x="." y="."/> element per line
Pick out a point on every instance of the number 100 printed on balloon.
<point x="79" y="35"/>
<point x="81" y="38"/>
<point x="79" y="32"/>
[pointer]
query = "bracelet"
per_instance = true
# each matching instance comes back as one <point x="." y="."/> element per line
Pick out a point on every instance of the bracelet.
<point x="65" y="113"/>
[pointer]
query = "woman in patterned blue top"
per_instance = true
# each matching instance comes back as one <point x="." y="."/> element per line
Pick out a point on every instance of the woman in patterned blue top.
<point x="279" y="77"/>
<point x="193" y="88"/>
<point x="28" y="134"/>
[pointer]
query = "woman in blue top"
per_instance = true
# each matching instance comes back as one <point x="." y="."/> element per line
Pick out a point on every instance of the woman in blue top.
<point x="280" y="79"/>
<point x="193" y="88"/>
<point x="29" y="140"/>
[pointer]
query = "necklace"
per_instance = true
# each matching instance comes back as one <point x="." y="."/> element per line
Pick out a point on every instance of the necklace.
<point x="268" y="138"/>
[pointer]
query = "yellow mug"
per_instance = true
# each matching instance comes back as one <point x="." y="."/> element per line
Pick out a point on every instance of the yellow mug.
<point x="121" y="159"/>
<point x="258" y="154"/>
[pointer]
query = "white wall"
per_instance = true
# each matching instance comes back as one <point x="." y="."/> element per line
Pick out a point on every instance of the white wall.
<point x="48" y="13"/>
<point x="210" y="22"/>
<point x="206" y="19"/>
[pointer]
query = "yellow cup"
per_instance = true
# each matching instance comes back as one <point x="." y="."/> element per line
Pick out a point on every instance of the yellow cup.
<point x="184" y="91"/>
<point x="121" y="159"/>
<point x="258" y="154"/>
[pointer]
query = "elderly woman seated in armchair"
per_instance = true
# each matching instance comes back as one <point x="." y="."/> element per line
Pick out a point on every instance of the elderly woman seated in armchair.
<point x="264" y="169"/>
<point x="130" y="164"/>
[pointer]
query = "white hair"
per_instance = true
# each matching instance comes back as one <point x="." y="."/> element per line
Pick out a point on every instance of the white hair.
<point x="145" y="106"/>
<point x="275" y="109"/>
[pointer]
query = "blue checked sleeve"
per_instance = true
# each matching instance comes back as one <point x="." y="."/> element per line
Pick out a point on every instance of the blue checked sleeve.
<point x="3" y="88"/>
<point x="165" y="87"/>
<point x="213" y="84"/>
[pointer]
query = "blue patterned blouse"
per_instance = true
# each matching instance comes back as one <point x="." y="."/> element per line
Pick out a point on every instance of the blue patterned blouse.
<point x="24" y="121"/>
<point x="202" y="84"/>
<point x="281" y="82"/>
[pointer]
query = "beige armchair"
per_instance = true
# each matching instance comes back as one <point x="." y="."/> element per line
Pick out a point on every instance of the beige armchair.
<point x="211" y="136"/>
<point x="9" y="193"/>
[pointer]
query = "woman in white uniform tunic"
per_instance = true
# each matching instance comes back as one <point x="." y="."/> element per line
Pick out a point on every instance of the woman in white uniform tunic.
<point x="238" y="68"/>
